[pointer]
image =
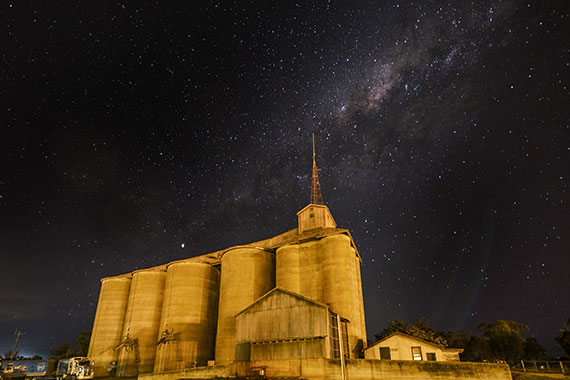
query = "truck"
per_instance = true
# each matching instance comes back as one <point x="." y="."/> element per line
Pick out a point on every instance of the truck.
<point x="76" y="368"/>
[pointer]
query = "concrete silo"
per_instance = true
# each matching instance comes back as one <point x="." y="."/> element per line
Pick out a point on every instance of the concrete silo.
<point x="108" y="325"/>
<point x="247" y="274"/>
<point x="298" y="269"/>
<point x="138" y="345"/>
<point x="187" y="331"/>
<point x="342" y="289"/>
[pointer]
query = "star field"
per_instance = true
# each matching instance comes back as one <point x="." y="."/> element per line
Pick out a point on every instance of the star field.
<point x="137" y="134"/>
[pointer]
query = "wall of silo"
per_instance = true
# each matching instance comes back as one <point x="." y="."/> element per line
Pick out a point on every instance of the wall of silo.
<point x="187" y="331"/>
<point x="287" y="268"/>
<point x="247" y="274"/>
<point x="341" y="287"/>
<point x="298" y="269"/>
<point x="108" y="325"/>
<point x="144" y="308"/>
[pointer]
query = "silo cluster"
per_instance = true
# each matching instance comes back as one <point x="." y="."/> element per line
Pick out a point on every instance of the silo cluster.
<point x="156" y="320"/>
<point x="183" y="314"/>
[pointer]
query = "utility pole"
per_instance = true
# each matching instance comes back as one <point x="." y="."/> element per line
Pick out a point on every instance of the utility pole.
<point x="18" y="333"/>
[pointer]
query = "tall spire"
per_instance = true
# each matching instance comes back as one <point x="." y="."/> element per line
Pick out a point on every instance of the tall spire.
<point x="316" y="195"/>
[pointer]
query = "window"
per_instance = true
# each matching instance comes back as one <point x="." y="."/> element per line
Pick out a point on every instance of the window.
<point x="417" y="353"/>
<point x="385" y="353"/>
<point x="430" y="356"/>
<point x="334" y="336"/>
<point x="335" y="348"/>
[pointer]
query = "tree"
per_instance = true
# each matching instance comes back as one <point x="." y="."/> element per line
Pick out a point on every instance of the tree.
<point x="533" y="350"/>
<point x="563" y="338"/>
<point x="395" y="325"/>
<point x="62" y="352"/>
<point x="458" y="339"/>
<point x="504" y="339"/>
<point x="82" y="343"/>
<point x="420" y="329"/>
<point x="476" y="350"/>
<point x="13" y="355"/>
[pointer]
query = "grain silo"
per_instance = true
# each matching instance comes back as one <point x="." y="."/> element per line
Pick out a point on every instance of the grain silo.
<point x="298" y="269"/>
<point x="341" y="287"/>
<point x="108" y="325"/>
<point x="187" y="332"/>
<point x="138" y="345"/>
<point x="247" y="274"/>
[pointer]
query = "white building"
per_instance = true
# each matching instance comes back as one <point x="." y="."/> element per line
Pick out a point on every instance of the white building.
<point x="400" y="346"/>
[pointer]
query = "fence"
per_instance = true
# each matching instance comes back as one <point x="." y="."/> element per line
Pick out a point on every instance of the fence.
<point x="537" y="366"/>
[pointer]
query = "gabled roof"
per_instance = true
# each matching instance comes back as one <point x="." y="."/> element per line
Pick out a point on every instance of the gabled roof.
<point x="406" y="336"/>
<point x="285" y="291"/>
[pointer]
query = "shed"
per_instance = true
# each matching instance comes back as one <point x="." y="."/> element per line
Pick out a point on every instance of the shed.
<point x="400" y="346"/>
<point x="286" y="325"/>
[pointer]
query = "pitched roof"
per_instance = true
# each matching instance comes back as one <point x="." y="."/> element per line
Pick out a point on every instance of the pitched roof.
<point x="285" y="291"/>
<point x="406" y="336"/>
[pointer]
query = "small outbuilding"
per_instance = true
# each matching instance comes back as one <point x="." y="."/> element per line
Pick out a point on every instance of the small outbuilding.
<point x="400" y="346"/>
<point x="286" y="325"/>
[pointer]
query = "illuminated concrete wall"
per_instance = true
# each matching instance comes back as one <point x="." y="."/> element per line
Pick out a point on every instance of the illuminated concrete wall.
<point x="187" y="330"/>
<point x="138" y="345"/>
<point x="109" y="320"/>
<point x="361" y="369"/>
<point x="247" y="274"/>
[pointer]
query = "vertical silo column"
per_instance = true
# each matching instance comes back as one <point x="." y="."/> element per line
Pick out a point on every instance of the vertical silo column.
<point x="108" y="325"/>
<point x="138" y="344"/>
<point x="187" y="332"/>
<point x="341" y="287"/>
<point x="247" y="274"/>
<point x="287" y="268"/>
<point x="311" y="270"/>
<point x="298" y="269"/>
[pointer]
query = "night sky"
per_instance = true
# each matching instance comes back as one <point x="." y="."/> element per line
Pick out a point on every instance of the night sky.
<point x="137" y="133"/>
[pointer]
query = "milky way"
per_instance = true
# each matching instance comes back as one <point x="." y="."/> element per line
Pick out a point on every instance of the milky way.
<point x="135" y="135"/>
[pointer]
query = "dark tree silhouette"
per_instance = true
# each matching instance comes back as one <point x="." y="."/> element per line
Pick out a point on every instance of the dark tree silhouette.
<point x="563" y="338"/>
<point x="533" y="350"/>
<point x="62" y="352"/>
<point x="82" y="343"/>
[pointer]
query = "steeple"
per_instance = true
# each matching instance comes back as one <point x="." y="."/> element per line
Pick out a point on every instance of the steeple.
<point x="316" y="194"/>
<point x="315" y="214"/>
